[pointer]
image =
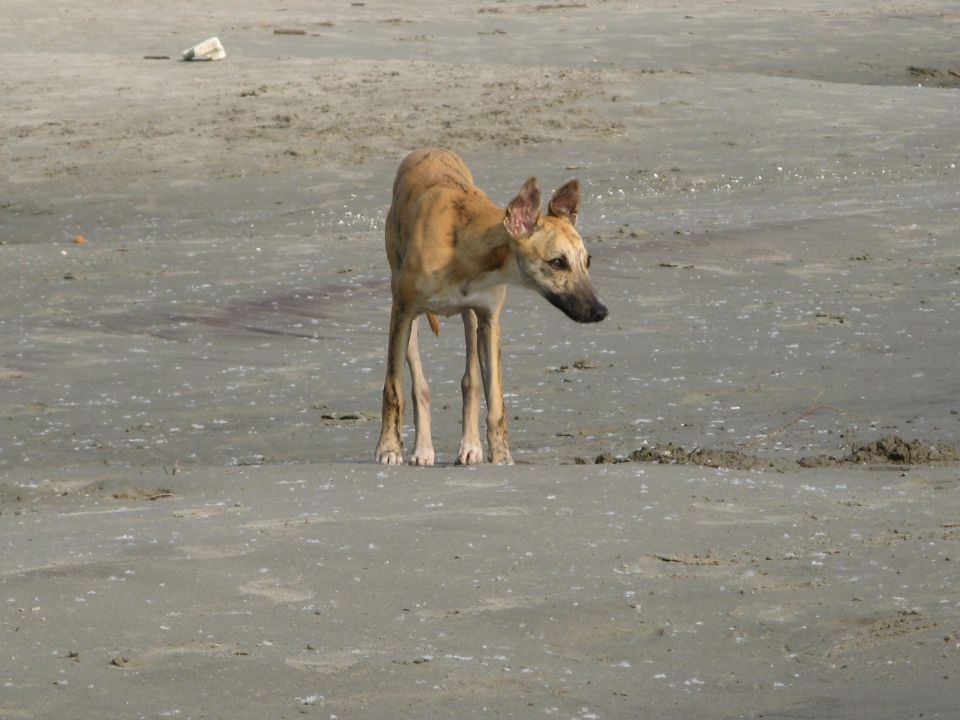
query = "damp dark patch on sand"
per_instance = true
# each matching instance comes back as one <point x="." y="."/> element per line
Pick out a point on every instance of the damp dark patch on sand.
<point x="890" y="450"/>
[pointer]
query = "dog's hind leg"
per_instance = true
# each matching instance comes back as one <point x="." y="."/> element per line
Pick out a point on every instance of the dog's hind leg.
<point x="471" y="448"/>
<point x="390" y="446"/>
<point x="423" y="447"/>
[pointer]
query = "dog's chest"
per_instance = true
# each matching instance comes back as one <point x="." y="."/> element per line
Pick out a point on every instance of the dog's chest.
<point x="453" y="299"/>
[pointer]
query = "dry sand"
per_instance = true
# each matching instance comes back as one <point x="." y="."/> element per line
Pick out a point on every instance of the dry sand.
<point x="190" y="522"/>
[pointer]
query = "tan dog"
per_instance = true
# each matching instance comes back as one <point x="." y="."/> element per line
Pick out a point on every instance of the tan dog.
<point x="452" y="250"/>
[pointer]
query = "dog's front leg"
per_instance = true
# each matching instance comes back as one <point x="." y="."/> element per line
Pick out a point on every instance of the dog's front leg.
<point x="488" y="336"/>
<point x="390" y="446"/>
<point x="423" y="448"/>
<point x="471" y="449"/>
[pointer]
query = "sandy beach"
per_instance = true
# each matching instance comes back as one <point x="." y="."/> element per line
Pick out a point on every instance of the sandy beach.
<point x="737" y="497"/>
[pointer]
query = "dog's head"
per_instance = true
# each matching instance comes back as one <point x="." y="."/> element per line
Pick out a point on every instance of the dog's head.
<point x="550" y="255"/>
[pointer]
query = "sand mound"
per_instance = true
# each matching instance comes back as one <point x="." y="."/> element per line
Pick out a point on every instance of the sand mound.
<point x="888" y="450"/>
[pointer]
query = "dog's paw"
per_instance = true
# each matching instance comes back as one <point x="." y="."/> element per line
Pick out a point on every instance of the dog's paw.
<point x="470" y="454"/>
<point x="389" y="457"/>
<point x="501" y="457"/>
<point x="422" y="456"/>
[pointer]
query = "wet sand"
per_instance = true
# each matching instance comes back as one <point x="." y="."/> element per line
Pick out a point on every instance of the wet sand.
<point x="190" y="521"/>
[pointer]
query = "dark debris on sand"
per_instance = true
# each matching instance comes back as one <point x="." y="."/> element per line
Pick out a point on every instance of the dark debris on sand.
<point x="888" y="450"/>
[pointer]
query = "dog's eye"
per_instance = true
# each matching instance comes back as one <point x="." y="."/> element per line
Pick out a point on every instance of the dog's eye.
<point x="559" y="263"/>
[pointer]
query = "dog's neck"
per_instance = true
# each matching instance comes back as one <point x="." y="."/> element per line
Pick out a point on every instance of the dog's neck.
<point x="495" y="251"/>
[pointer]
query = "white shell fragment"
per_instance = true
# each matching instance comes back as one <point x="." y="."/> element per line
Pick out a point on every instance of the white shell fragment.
<point x="209" y="49"/>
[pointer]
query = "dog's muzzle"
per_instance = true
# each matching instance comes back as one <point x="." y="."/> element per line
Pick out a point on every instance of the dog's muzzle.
<point x="598" y="311"/>
<point x="582" y="310"/>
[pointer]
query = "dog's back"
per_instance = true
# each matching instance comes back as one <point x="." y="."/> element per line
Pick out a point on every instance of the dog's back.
<point x="429" y="183"/>
<point x="423" y="169"/>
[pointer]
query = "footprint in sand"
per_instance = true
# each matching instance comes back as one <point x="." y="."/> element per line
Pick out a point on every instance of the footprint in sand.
<point x="325" y="663"/>
<point x="277" y="526"/>
<point x="136" y="659"/>
<point x="275" y="591"/>
<point x="502" y="511"/>
<point x="206" y="511"/>
<point x="483" y="605"/>
<point x="212" y="552"/>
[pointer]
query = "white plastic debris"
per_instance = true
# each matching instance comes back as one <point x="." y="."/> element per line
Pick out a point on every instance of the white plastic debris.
<point x="209" y="49"/>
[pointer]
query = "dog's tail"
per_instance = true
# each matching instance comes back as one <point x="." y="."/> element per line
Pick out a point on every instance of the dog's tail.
<point x="434" y="323"/>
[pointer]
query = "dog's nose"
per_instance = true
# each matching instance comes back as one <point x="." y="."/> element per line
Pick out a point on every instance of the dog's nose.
<point x="598" y="312"/>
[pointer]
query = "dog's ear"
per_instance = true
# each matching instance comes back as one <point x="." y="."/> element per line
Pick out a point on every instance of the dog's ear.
<point x="566" y="202"/>
<point x="523" y="212"/>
